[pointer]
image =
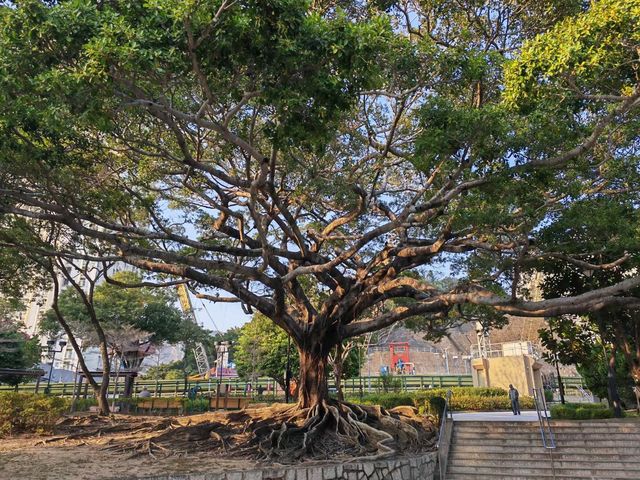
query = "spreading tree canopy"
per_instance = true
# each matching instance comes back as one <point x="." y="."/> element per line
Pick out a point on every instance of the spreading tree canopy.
<point x="269" y="150"/>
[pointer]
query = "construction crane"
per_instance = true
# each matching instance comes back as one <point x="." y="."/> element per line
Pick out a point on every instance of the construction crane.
<point x="200" y="354"/>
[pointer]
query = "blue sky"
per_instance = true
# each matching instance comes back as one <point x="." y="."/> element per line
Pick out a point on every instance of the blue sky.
<point x="218" y="316"/>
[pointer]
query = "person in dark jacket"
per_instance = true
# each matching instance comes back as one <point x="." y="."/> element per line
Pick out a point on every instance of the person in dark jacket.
<point x="514" y="396"/>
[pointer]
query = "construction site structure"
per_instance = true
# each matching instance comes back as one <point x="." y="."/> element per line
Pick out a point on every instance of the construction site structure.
<point x="199" y="352"/>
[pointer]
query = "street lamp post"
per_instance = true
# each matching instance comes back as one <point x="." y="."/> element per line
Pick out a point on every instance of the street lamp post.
<point x="557" y="362"/>
<point x="52" y="351"/>
<point x="560" y="385"/>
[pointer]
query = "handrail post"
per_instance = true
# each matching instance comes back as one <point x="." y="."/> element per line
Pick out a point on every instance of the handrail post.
<point x="543" y="419"/>
<point x="444" y="439"/>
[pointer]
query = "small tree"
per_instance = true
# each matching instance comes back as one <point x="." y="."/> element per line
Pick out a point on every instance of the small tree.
<point x="17" y="350"/>
<point x="132" y="319"/>
<point x="261" y="350"/>
<point x="345" y="362"/>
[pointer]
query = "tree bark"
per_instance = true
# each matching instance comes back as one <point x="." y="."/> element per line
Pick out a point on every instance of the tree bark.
<point x="103" y="402"/>
<point x="612" y="384"/>
<point x="338" y="364"/>
<point x="100" y="391"/>
<point x="313" y="387"/>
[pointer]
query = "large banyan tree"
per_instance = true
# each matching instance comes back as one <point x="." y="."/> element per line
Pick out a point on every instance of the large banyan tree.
<point x="323" y="162"/>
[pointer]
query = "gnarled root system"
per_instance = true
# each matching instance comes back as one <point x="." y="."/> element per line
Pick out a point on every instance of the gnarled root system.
<point x="281" y="433"/>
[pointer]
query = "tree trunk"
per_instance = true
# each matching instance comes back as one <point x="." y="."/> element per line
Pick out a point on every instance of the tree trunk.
<point x="103" y="390"/>
<point x="313" y="388"/>
<point x="100" y="391"/>
<point x="612" y="385"/>
<point x="337" y="370"/>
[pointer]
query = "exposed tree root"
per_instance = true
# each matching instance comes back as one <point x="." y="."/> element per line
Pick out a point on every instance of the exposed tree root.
<point x="359" y="431"/>
<point x="283" y="433"/>
<point x="96" y="426"/>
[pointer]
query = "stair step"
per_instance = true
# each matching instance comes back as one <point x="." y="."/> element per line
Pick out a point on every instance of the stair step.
<point x="627" y="450"/>
<point x="497" y="476"/>
<point x="538" y="442"/>
<point x="584" y="472"/>
<point x="536" y="435"/>
<point x="603" y="450"/>
<point x="523" y="464"/>
<point x="631" y="457"/>
<point x="536" y="431"/>
<point x="632" y="422"/>
<point x="536" y="428"/>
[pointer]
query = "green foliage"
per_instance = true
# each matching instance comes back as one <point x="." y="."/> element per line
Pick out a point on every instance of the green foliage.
<point x="436" y="407"/>
<point x="596" y="48"/>
<point x="548" y="396"/>
<point x="262" y="351"/>
<point x="26" y="412"/>
<point x="352" y="363"/>
<point x="465" y="391"/>
<point x="388" y="383"/>
<point x="195" y="405"/>
<point x="387" y="399"/>
<point x="165" y="371"/>
<point x="462" y="398"/>
<point x="149" y="310"/>
<point x="19" y="351"/>
<point x="580" y="411"/>
<point x="594" y="372"/>
<point x="141" y="124"/>
<point x="472" y="398"/>
<point x="83" y="404"/>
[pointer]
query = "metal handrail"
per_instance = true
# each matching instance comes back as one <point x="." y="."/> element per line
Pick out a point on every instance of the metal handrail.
<point x="444" y="440"/>
<point x="586" y="394"/>
<point x="546" y="432"/>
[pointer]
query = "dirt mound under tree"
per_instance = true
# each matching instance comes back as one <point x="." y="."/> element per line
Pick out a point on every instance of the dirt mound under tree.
<point x="280" y="433"/>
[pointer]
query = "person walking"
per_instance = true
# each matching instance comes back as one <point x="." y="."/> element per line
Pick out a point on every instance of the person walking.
<point x="514" y="396"/>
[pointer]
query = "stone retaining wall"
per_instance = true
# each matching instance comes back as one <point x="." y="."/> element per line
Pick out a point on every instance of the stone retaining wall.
<point x="420" y="467"/>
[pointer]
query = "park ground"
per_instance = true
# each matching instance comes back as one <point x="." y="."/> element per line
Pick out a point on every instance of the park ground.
<point x="55" y="456"/>
<point x="87" y="446"/>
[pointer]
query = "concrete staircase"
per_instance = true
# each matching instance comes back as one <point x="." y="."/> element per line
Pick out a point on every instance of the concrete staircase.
<point x="594" y="449"/>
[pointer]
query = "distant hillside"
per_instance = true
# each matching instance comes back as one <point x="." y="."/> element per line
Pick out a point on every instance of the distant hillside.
<point x="431" y="358"/>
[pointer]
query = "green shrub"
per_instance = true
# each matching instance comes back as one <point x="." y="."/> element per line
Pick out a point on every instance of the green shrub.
<point x="436" y="407"/>
<point x="548" y="395"/>
<point x="200" y="404"/>
<point x="462" y="398"/>
<point x="475" y="403"/>
<point x="424" y="395"/>
<point x="581" y="411"/>
<point x="388" y="383"/>
<point x="386" y="400"/>
<point x="83" y="404"/>
<point x="29" y="412"/>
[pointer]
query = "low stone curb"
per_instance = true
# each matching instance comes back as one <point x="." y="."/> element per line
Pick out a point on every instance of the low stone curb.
<point x="419" y="467"/>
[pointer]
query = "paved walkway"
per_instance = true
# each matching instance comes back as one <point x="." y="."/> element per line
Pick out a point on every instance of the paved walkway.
<point x="527" y="416"/>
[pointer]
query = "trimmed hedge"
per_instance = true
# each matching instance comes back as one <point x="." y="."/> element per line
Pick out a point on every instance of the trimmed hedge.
<point x="462" y="398"/>
<point x="386" y="400"/>
<point x="581" y="411"/>
<point x="29" y="412"/>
